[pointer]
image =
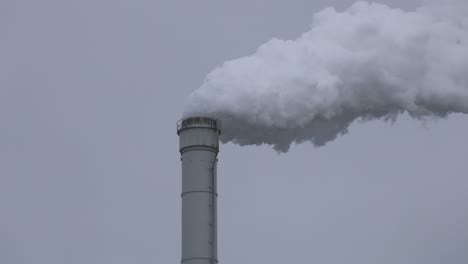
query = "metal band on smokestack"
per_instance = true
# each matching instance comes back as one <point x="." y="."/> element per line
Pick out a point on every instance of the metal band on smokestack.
<point x="199" y="147"/>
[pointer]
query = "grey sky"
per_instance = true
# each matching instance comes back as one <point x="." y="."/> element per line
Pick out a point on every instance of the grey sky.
<point x="89" y="167"/>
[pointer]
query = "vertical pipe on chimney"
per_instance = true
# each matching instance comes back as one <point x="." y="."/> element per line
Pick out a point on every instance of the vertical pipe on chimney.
<point x="199" y="147"/>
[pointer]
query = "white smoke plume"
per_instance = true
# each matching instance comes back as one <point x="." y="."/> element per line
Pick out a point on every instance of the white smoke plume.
<point x="368" y="62"/>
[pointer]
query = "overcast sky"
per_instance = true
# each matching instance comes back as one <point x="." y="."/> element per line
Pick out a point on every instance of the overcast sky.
<point x="90" y="92"/>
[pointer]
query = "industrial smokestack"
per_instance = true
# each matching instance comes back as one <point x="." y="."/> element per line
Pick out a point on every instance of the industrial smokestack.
<point x="368" y="62"/>
<point x="199" y="146"/>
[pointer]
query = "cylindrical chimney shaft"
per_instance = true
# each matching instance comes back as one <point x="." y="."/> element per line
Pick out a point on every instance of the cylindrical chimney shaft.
<point x="199" y="146"/>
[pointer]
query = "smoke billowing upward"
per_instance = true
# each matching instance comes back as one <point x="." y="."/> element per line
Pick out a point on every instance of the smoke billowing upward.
<point x="368" y="62"/>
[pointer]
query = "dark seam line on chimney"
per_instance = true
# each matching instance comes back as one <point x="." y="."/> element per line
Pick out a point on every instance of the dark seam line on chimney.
<point x="199" y="147"/>
<point x="211" y="259"/>
<point x="184" y="193"/>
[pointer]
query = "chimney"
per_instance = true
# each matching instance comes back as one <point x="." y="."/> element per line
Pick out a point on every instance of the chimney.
<point x="199" y="146"/>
